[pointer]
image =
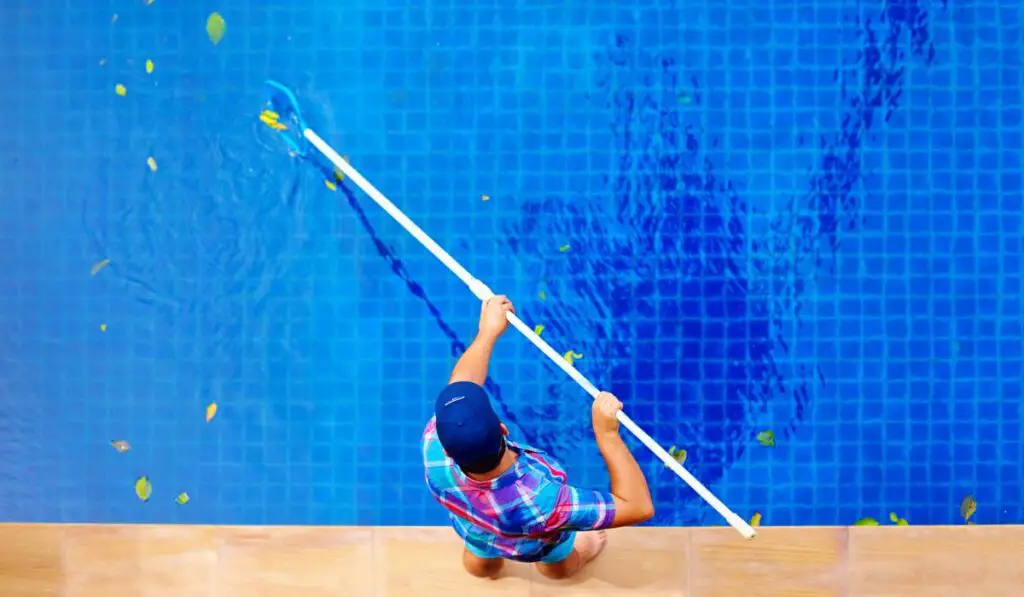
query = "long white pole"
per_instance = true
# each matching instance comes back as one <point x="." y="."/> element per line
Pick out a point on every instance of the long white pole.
<point x="483" y="293"/>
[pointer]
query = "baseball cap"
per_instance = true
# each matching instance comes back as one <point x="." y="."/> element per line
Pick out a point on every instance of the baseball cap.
<point x="469" y="429"/>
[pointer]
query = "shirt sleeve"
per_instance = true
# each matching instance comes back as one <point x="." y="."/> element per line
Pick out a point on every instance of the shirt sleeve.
<point x="578" y="509"/>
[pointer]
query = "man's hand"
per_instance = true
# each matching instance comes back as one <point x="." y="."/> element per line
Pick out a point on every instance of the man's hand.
<point x="606" y="407"/>
<point x="492" y="316"/>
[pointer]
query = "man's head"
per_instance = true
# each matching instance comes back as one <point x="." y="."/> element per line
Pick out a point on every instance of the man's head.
<point x="469" y="429"/>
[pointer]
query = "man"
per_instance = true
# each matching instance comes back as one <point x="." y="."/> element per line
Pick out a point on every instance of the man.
<point x="511" y="501"/>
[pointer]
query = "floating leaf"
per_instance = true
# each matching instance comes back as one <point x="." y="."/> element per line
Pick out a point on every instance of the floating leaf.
<point x="755" y="520"/>
<point x="120" y="90"/>
<point x="893" y="517"/>
<point x="485" y="197"/>
<point x="113" y="19"/>
<point x="182" y="498"/>
<point x="968" y="507"/>
<point x="143" y="488"/>
<point x="563" y="248"/>
<point x="121" y="445"/>
<point x="151" y="162"/>
<point x="211" y="411"/>
<point x="339" y="176"/>
<point x="103" y="327"/>
<point x="766" y="438"/>
<point x="902" y="523"/>
<point x="571" y="356"/>
<point x="103" y="61"/>
<point x="330" y="185"/>
<point x="677" y="454"/>
<point x="150" y="1"/>
<point x="866" y="522"/>
<point x="96" y="267"/>
<point x="271" y="115"/>
<point x="684" y="98"/>
<point x="215" y="27"/>
<point x="542" y="295"/>
<point x="149" y="67"/>
<point x="538" y="329"/>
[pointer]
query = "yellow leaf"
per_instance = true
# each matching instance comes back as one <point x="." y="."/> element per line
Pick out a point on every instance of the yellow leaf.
<point x="968" y="507"/>
<point x="120" y="90"/>
<point x="149" y="67"/>
<point x="151" y="162"/>
<point x="103" y="327"/>
<point x="143" y="488"/>
<point x="121" y="445"/>
<point x="182" y="498"/>
<point x="571" y="356"/>
<point x="866" y="522"/>
<point x="485" y="198"/>
<point x="215" y="27"/>
<point x="755" y="520"/>
<point x="331" y="185"/>
<point x="538" y="329"/>
<point x="96" y="267"/>
<point x="211" y="411"/>
<point x="563" y="248"/>
<point x="271" y="115"/>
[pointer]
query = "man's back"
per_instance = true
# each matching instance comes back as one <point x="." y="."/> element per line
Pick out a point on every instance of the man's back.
<point x="524" y="513"/>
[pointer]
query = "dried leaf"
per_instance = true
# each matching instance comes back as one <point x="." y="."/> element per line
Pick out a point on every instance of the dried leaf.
<point x="151" y="162"/>
<point x="485" y="197"/>
<point x="143" y="488"/>
<point x="755" y="520"/>
<point x="96" y="267"/>
<point x="330" y="185"/>
<point x="211" y="411"/>
<point x="968" y="507"/>
<point x="121" y="445"/>
<point x="120" y="90"/>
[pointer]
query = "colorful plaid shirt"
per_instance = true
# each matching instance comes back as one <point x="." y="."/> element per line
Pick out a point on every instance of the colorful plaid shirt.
<point x="525" y="513"/>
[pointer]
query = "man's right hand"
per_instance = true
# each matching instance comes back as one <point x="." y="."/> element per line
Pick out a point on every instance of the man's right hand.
<point x="606" y="407"/>
<point x="492" y="316"/>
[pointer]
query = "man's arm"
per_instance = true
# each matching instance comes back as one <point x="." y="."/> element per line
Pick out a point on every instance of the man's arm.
<point x="633" y="503"/>
<point x="472" y="365"/>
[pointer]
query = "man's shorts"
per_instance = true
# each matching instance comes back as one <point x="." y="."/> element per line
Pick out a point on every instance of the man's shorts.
<point x="561" y="551"/>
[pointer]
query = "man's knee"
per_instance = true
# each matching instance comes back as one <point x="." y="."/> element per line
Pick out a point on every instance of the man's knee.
<point x="481" y="567"/>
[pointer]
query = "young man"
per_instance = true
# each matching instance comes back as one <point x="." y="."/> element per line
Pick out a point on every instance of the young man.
<point x="511" y="501"/>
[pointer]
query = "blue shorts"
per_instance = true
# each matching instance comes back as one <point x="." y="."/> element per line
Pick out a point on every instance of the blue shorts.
<point x="559" y="554"/>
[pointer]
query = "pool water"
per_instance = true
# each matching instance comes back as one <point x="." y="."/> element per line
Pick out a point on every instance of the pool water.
<point x="801" y="218"/>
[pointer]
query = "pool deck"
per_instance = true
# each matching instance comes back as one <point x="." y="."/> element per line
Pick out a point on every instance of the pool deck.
<point x="212" y="561"/>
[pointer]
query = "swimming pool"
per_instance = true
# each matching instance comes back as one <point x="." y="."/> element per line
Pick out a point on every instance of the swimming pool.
<point x="796" y="217"/>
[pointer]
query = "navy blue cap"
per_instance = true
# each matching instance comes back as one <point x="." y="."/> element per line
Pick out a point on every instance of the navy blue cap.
<point x="469" y="429"/>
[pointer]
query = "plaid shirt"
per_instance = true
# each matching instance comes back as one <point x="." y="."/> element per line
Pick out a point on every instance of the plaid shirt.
<point x="521" y="515"/>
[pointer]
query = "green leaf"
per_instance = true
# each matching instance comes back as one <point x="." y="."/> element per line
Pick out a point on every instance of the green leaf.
<point x="215" y="27"/>
<point x="968" y="507"/>
<point x="866" y="522"/>
<point x="182" y="498"/>
<point x="143" y="488"/>
<point x="902" y="523"/>
<point x="677" y="454"/>
<point x="893" y="517"/>
<point x="766" y="438"/>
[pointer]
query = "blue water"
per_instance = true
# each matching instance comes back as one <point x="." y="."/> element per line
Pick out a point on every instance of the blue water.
<point x="797" y="217"/>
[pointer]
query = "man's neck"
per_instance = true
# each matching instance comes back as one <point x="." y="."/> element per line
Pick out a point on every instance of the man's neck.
<point x="507" y="461"/>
